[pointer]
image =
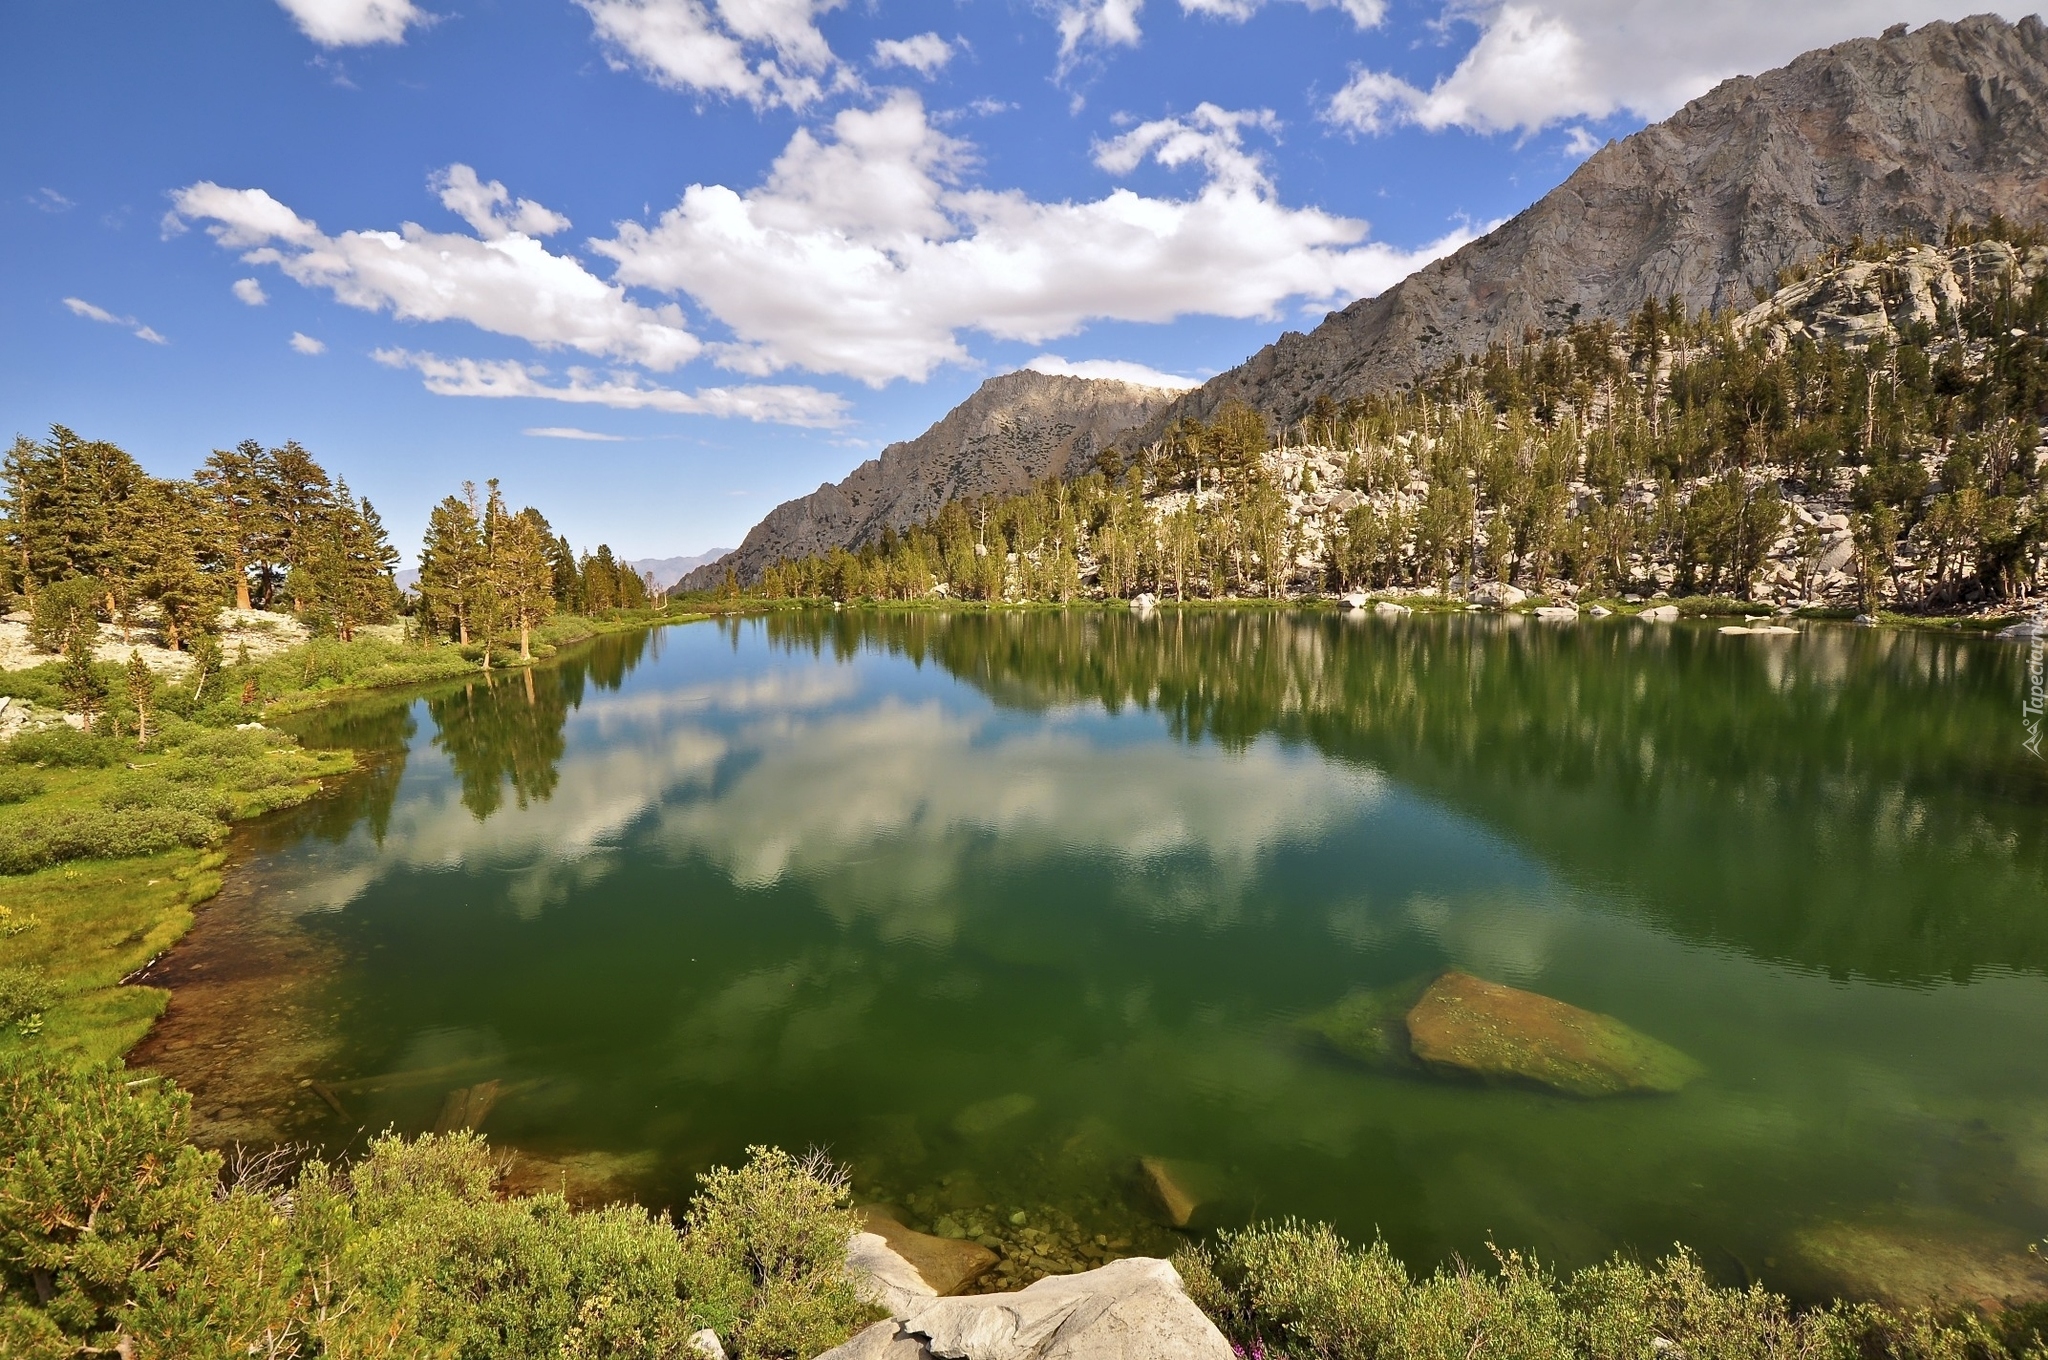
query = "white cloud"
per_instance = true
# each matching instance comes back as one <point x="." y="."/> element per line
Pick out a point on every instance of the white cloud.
<point x="1095" y="23"/>
<point x="768" y="52"/>
<point x="306" y="344"/>
<point x="80" y="307"/>
<point x="1539" y="62"/>
<point x="251" y="292"/>
<point x="355" y="23"/>
<point x="1364" y="13"/>
<point x="571" y="432"/>
<point x="862" y="253"/>
<point x="1119" y="370"/>
<point x="49" y="201"/>
<point x="502" y="280"/>
<point x="773" y="404"/>
<point x="925" y="54"/>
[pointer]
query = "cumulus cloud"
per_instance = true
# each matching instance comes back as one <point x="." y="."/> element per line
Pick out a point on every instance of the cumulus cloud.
<point x="80" y="307"/>
<point x="774" y="404"/>
<point x="1119" y="370"/>
<point x="1095" y="23"/>
<point x="571" y="432"/>
<point x="864" y="253"/>
<point x="1534" y="63"/>
<point x="355" y="23"/>
<point x="251" y="292"/>
<point x="924" y="54"/>
<point x="501" y="280"/>
<point x="1363" y="13"/>
<point x="767" y="52"/>
<point x="306" y="344"/>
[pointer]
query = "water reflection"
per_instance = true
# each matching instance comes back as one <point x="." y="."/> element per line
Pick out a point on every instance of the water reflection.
<point x="861" y="879"/>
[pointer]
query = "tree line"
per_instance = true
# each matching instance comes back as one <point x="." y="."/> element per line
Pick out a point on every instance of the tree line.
<point x="91" y="538"/>
<point x="1657" y="454"/>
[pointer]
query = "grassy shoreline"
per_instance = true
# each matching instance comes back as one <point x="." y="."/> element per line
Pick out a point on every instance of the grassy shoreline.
<point x="73" y="929"/>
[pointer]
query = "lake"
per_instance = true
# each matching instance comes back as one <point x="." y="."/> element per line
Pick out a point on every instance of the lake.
<point x="993" y="906"/>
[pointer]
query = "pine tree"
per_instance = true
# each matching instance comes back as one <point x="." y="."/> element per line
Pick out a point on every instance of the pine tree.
<point x="452" y="562"/>
<point x="491" y="594"/>
<point x="522" y="575"/>
<point x="236" y="487"/>
<point x="64" y="498"/>
<point x="344" y="576"/>
<point x="82" y="687"/>
<point x="297" y="495"/>
<point x="165" y="539"/>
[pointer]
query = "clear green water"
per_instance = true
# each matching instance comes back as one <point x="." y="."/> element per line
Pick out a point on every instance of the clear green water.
<point x="993" y="906"/>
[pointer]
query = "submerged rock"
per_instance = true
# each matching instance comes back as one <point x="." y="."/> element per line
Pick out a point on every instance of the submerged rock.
<point x="1948" y="1260"/>
<point x="1179" y="1188"/>
<point x="1369" y="1026"/>
<point x="947" y="1264"/>
<point x="986" y="1116"/>
<point x="1466" y="1024"/>
<point x="1134" y="1309"/>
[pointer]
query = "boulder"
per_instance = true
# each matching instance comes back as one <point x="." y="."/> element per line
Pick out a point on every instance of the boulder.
<point x="1662" y="613"/>
<point x="882" y="1341"/>
<point x="1599" y="611"/>
<point x="1370" y="1026"/>
<point x="986" y="1116"/>
<point x="2024" y="632"/>
<point x="1866" y="620"/>
<point x="1467" y="1025"/>
<point x="883" y="1275"/>
<point x="1144" y="601"/>
<point x="1134" y="1309"/>
<point x="945" y="1264"/>
<point x="1387" y="609"/>
<point x="1496" y="595"/>
<point x="1558" y="613"/>
<point x="703" y="1344"/>
<point x="1353" y="600"/>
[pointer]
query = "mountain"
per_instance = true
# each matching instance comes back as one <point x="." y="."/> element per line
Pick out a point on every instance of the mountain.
<point x="1880" y="137"/>
<point x="1015" y="430"/>
<point x="669" y="570"/>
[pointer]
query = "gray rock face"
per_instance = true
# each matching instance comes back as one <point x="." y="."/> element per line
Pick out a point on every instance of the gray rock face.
<point x="1014" y="431"/>
<point x="885" y="1277"/>
<point x="1134" y="1309"/>
<point x="1879" y="137"/>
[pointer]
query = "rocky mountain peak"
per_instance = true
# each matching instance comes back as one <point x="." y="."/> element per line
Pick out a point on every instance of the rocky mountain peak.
<point x="1890" y="137"/>
<point x="1017" y="429"/>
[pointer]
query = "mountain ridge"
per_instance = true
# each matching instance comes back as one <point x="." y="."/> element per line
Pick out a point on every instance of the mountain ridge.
<point x="1875" y="137"/>
<point x="1015" y="430"/>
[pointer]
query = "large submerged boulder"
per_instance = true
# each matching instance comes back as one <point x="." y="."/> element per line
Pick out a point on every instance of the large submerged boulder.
<point x="946" y="1264"/>
<point x="1468" y="1025"/>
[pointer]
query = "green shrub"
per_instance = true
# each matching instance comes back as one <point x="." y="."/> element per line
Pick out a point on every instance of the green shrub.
<point x="36" y="838"/>
<point x="766" y="1256"/>
<point x="62" y="606"/>
<point x="98" y="1188"/>
<point x="62" y="746"/>
<point x="18" y="786"/>
<point x="24" y="994"/>
<point x="1303" y="1291"/>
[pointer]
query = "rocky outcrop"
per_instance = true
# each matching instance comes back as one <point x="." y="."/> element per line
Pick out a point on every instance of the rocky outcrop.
<point x="1014" y="431"/>
<point x="1881" y="137"/>
<point x="1134" y="1309"/>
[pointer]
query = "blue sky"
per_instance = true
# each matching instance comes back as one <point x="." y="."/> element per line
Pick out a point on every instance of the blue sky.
<point x="750" y="241"/>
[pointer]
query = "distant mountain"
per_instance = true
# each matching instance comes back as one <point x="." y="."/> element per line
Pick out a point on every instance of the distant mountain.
<point x="1879" y="137"/>
<point x="1015" y="430"/>
<point x="669" y="570"/>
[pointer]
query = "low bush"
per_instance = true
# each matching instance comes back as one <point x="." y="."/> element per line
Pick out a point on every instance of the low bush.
<point x="33" y="838"/>
<point x="18" y="786"/>
<point x="61" y="746"/>
<point x="1301" y="1291"/>
<point x="25" y="993"/>
<point x="117" y="1235"/>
